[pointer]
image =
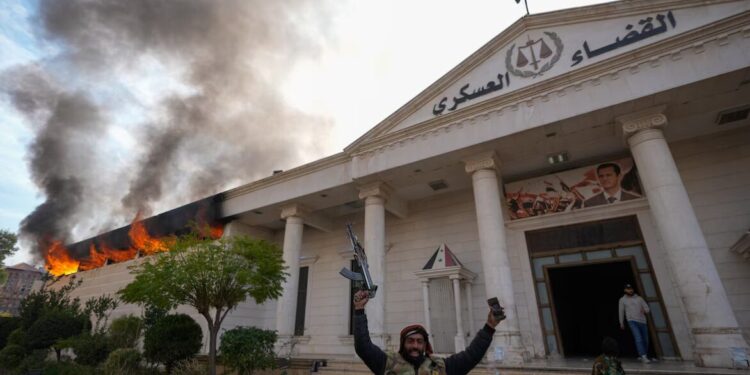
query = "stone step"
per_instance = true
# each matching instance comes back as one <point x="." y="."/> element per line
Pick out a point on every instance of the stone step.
<point x="542" y="367"/>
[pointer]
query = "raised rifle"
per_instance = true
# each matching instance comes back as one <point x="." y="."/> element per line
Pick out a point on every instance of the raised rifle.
<point x="361" y="257"/>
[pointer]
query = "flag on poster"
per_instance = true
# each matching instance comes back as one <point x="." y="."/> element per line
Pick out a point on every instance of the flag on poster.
<point x="606" y="183"/>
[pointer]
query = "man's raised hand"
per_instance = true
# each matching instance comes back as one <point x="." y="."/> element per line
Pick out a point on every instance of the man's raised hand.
<point x="360" y="299"/>
<point x="492" y="320"/>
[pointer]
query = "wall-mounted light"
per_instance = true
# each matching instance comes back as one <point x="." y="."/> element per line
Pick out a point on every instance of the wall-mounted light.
<point x="438" y="185"/>
<point x="557" y="158"/>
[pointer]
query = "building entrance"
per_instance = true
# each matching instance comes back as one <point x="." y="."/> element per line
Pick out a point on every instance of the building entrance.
<point x="579" y="272"/>
<point x="585" y="300"/>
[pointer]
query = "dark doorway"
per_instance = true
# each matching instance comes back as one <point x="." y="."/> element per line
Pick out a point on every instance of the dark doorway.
<point x="585" y="302"/>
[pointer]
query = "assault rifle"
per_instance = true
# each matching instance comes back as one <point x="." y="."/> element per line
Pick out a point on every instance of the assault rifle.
<point x="361" y="257"/>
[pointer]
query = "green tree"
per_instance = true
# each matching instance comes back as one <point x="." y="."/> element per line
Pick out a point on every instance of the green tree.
<point x="246" y="349"/>
<point x="172" y="339"/>
<point x="38" y="302"/>
<point x="54" y="327"/>
<point x="122" y="361"/>
<point x="99" y="309"/>
<point x="213" y="276"/>
<point x="8" y="242"/>
<point x="7" y="325"/>
<point x="11" y="356"/>
<point x="125" y="331"/>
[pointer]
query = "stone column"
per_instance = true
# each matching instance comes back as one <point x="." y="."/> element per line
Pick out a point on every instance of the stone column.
<point x="498" y="283"/>
<point x="286" y="307"/>
<point x="470" y="306"/>
<point x="426" y="301"/>
<point x="375" y="196"/>
<point x="460" y="339"/>
<point x="712" y="321"/>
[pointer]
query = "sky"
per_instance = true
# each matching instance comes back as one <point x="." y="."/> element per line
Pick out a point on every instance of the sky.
<point x="109" y="110"/>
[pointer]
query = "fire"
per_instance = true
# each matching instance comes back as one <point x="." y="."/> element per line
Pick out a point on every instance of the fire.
<point x="59" y="261"/>
<point x="216" y="232"/>
<point x="143" y="241"/>
<point x="118" y="256"/>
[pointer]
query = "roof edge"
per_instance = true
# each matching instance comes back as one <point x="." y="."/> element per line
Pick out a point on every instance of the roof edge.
<point x="561" y="17"/>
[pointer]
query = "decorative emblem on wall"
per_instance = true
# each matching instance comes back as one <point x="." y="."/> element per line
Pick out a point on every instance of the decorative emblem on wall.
<point x="535" y="57"/>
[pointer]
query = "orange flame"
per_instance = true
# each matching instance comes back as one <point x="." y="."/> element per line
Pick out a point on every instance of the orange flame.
<point x="143" y="241"/>
<point x="117" y="256"/>
<point x="214" y="232"/>
<point x="58" y="261"/>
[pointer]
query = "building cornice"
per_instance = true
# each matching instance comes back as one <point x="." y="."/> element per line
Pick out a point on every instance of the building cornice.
<point x="673" y="48"/>
<point x="305" y="169"/>
<point x="549" y="19"/>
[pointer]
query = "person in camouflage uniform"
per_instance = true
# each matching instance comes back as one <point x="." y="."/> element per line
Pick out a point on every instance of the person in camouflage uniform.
<point x="415" y="352"/>
<point x="607" y="363"/>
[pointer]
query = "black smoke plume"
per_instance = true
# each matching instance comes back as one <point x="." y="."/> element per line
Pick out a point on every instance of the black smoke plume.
<point x="225" y="123"/>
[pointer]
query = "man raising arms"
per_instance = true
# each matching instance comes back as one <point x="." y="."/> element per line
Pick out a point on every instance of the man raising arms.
<point x="415" y="352"/>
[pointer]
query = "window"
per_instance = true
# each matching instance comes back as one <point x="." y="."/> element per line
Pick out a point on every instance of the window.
<point x="354" y="286"/>
<point x="299" y="320"/>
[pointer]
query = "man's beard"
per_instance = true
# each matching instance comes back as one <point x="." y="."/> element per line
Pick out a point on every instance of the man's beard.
<point x="415" y="361"/>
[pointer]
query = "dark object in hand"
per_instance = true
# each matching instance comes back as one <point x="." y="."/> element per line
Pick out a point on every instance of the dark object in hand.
<point x="497" y="311"/>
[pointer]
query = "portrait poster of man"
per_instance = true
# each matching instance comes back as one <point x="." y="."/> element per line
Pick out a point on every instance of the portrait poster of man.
<point x="605" y="183"/>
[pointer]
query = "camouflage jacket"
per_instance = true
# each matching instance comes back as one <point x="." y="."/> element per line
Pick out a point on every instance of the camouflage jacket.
<point x="377" y="360"/>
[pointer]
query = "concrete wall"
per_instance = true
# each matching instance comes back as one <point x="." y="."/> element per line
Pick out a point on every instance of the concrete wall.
<point x="716" y="172"/>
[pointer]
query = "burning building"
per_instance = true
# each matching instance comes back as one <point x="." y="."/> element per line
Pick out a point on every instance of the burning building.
<point x="142" y="237"/>
<point x="577" y="151"/>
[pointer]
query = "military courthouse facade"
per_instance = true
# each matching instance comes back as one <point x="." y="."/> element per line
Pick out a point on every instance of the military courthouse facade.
<point x="491" y="183"/>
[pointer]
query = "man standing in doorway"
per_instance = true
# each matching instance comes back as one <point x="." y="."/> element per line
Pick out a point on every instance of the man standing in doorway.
<point x="608" y="175"/>
<point x="634" y="309"/>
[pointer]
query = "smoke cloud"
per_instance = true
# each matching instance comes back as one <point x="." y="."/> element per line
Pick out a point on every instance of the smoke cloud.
<point x="218" y="121"/>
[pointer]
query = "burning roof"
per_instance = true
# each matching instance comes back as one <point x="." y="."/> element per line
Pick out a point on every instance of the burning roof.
<point x="142" y="236"/>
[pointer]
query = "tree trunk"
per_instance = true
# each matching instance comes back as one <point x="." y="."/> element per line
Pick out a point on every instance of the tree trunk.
<point x="57" y="352"/>
<point x="212" y="350"/>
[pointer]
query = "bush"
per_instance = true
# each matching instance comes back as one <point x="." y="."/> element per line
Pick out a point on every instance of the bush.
<point x="11" y="356"/>
<point x="171" y="339"/>
<point x="32" y="361"/>
<point x="7" y="326"/>
<point x="122" y="361"/>
<point x="17" y="337"/>
<point x="125" y="332"/>
<point x="90" y="350"/>
<point x="245" y="349"/>
<point x="190" y="367"/>
<point x="67" y="368"/>
<point x="52" y="327"/>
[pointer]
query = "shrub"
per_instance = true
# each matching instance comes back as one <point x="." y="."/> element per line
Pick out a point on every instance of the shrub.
<point x="171" y="339"/>
<point x="7" y="326"/>
<point x="125" y="332"/>
<point x="90" y="349"/>
<point x="190" y="367"/>
<point x="11" y="356"/>
<point x="245" y="349"/>
<point x="17" y="337"/>
<point x="53" y="327"/>
<point x="33" y="361"/>
<point x="67" y="368"/>
<point x="122" y="361"/>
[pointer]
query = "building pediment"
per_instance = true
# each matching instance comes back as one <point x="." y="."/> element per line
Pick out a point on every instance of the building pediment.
<point x="540" y="47"/>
